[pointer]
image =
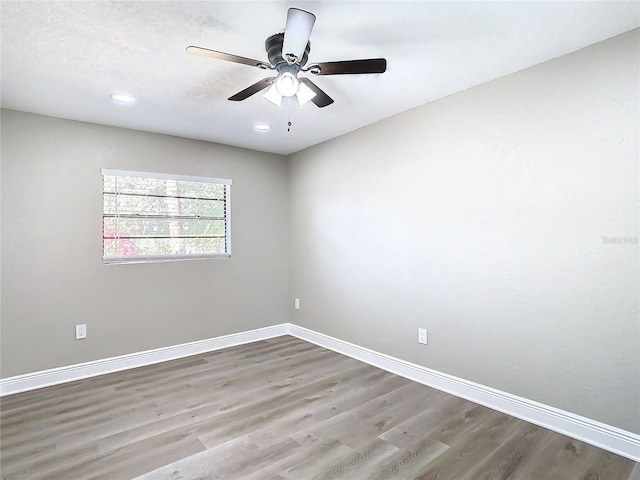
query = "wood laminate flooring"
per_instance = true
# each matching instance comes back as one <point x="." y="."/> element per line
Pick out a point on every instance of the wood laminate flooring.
<point x="277" y="409"/>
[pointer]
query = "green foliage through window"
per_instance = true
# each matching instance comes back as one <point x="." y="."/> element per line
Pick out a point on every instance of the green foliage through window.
<point x="151" y="217"/>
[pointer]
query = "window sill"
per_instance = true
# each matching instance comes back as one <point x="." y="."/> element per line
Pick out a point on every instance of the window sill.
<point x="162" y="259"/>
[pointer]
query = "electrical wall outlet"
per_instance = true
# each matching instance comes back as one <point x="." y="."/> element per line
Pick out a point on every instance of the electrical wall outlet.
<point x="296" y="303"/>
<point x="422" y="335"/>
<point x="81" y="331"/>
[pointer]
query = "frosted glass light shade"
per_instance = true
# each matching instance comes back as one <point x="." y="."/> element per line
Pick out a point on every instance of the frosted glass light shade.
<point x="273" y="96"/>
<point x="287" y="84"/>
<point x="304" y="94"/>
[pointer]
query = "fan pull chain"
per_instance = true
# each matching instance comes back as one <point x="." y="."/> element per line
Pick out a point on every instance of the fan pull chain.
<point x="288" y="114"/>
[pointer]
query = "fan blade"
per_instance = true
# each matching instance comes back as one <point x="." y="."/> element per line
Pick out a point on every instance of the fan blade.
<point x="321" y="99"/>
<point x="296" y="34"/>
<point x="205" y="52"/>
<point x="349" y="67"/>
<point x="255" y="88"/>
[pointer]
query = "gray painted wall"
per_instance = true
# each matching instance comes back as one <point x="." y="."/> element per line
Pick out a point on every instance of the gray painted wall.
<point x="481" y="217"/>
<point x="52" y="272"/>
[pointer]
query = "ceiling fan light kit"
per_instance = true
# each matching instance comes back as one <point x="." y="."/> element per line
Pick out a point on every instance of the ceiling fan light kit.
<point x="288" y="53"/>
<point x="303" y="94"/>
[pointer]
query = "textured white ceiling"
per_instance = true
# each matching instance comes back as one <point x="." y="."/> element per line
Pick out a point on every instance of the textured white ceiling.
<point x="63" y="59"/>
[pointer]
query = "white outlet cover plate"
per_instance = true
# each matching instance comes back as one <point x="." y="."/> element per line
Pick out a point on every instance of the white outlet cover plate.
<point x="422" y="335"/>
<point x="81" y="331"/>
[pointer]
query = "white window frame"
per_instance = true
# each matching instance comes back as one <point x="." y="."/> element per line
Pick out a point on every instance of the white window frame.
<point x="126" y="259"/>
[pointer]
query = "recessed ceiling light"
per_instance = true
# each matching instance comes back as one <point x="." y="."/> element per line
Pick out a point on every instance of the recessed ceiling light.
<point x="262" y="127"/>
<point x="122" y="98"/>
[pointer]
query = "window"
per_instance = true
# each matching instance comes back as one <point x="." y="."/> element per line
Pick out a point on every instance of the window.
<point x="151" y="217"/>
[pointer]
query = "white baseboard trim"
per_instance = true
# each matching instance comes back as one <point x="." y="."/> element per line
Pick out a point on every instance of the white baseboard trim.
<point x="607" y="437"/>
<point x="55" y="376"/>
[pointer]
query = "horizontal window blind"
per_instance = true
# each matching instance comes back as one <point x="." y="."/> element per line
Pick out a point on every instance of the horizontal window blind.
<point x="160" y="217"/>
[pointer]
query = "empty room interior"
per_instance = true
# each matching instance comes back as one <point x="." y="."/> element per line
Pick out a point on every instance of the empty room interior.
<point x="401" y="243"/>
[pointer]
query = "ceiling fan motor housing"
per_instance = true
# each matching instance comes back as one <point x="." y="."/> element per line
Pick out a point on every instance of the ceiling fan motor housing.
<point x="273" y="46"/>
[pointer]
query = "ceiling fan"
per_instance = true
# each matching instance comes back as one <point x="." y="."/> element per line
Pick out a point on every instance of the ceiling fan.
<point x="288" y="53"/>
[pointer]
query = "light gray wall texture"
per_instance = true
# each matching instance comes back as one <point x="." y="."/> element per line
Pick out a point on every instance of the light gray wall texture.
<point x="52" y="271"/>
<point x="482" y="217"/>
